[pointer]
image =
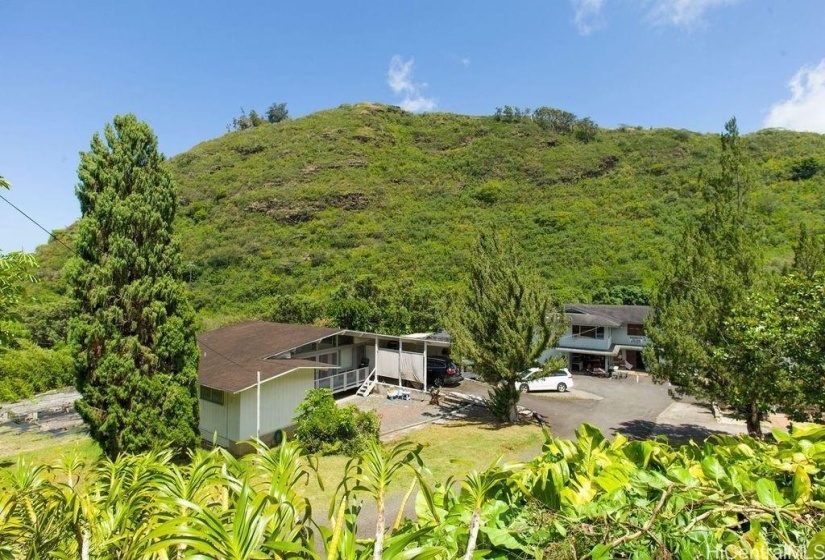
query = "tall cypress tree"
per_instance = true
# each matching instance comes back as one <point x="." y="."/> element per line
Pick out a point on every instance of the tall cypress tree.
<point x="705" y="334"/>
<point x="504" y="321"/>
<point x="133" y="330"/>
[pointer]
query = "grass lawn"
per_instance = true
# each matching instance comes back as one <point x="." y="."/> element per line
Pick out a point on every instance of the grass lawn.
<point x="451" y="449"/>
<point x="45" y="448"/>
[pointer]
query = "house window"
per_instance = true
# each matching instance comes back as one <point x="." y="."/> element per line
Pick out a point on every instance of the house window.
<point x="311" y="347"/>
<point x="212" y="395"/>
<point x="588" y="331"/>
<point x="331" y="359"/>
<point x="326" y="343"/>
<point x="635" y="329"/>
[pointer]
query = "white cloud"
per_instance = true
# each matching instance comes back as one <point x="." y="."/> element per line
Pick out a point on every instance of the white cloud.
<point x="586" y="15"/>
<point x="399" y="78"/>
<point x="465" y="62"/>
<point x="683" y="12"/>
<point x="805" y="110"/>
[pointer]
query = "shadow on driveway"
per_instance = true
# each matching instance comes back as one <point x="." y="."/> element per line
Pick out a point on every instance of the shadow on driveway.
<point x="675" y="434"/>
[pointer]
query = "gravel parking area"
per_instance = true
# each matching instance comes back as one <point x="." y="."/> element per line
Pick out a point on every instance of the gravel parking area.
<point x="397" y="415"/>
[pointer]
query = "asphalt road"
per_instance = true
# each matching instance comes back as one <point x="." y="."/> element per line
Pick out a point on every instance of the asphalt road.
<point x="626" y="406"/>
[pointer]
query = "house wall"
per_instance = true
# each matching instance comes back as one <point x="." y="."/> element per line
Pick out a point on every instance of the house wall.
<point x="213" y="420"/>
<point x="233" y="416"/>
<point x="585" y="343"/>
<point x="279" y="399"/>
<point x="620" y="336"/>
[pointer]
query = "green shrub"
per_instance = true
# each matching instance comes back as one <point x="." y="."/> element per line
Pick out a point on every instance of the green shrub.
<point x="30" y="369"/>
<point x="324" y="427"/>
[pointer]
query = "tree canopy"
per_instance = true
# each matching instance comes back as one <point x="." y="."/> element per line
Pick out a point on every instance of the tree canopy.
<point x="133" y="327"/>
<point x="705" y="335"/>
<point x="504" y="320"/>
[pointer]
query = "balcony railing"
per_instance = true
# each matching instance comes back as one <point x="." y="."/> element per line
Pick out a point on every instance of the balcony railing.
<point x="585" y="343"/>
<point x="344" y="380"/>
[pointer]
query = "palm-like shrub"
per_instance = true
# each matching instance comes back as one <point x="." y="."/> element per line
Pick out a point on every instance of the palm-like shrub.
<point x="588" y="498"/>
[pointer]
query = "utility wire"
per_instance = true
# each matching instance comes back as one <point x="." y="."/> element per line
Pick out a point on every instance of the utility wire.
<point x="32" y="220"/>
<point x="227" y="358"/>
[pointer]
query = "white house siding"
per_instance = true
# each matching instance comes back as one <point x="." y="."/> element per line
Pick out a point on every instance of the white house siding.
<point x="233" y="416"/>
<point x="620" y="336"/>
<point x="222" y="420"/>
<point x="586" y="343"/>
<point x="279" y="399"/>
<point x="214" y="421"/>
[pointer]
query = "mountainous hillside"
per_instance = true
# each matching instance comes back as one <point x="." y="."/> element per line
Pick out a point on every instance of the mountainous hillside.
<point x="276" y="219"/>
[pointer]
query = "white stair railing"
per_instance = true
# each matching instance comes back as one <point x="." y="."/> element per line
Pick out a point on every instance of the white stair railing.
<point x="368" y="385"/>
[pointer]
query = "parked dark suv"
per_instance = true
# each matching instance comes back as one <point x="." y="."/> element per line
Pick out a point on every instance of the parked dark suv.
<point x="442" y="371"/>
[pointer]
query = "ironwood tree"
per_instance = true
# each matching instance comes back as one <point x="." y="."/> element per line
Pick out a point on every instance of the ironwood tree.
<point x="705" y="335"/>
<point x="504" y="321"/>
<point x="133" y="330"/>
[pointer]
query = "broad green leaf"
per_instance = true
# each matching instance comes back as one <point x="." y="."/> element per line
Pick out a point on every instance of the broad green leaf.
<point x="713" y="469"/>
<point x="816" y="547"/>
<point x="600" y="552"/>
<point x="683" y="476"/>
<point x="812" y="432"/>
<point x="781" y="435"/>
<point x="801" y="486"/>
<point x="768" y="494"/>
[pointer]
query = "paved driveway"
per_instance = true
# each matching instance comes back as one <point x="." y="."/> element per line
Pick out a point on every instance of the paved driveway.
<point x="614" y="405"/>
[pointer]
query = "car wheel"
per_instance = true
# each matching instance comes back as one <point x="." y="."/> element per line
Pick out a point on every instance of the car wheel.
<point x="438" y="382"/>
<point x="525" y="388"/>
<point x="561" y="387"/>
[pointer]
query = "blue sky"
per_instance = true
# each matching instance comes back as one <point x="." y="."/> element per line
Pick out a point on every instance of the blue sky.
<point x="187" y="67"/>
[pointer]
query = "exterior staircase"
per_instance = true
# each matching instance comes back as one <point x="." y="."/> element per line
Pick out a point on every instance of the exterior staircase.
<point x="368" y="385"/>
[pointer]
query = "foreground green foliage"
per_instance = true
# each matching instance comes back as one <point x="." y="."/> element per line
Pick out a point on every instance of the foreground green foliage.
<point x="274" y="219"/>
<point x="323" y="427"/>
<point x="733" y="497"/>
<point x="132" y="328"/>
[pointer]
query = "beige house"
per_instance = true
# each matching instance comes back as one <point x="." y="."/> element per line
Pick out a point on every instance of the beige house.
<point x="253" y="375"/>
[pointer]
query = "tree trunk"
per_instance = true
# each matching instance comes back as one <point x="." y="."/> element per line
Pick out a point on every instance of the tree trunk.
<point x="378" y="552"/>
<point x="513" y="394"/>
<point x="475" y="525"/>
<point x="82" y="538"/>
<point x="754" y="421"/>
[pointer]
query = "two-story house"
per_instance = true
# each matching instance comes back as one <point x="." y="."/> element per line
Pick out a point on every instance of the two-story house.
<point x="601" y="336"/>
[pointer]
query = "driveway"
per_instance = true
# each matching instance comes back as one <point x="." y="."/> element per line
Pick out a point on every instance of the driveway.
<point x="614" y="405"/>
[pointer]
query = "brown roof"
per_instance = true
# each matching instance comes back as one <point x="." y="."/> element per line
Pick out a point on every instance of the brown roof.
<point x="231" y="356"/>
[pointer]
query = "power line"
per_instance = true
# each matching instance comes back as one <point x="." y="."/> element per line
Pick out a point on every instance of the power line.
<point x="32" y="220"/>
<point x="227" y="358"/>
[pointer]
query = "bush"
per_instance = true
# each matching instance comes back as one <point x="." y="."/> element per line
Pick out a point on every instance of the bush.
<point x="29" y="369"/>
<point x="324" y="427"/>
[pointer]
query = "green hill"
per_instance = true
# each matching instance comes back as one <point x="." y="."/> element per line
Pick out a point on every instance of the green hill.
<point x="276" y="219"/>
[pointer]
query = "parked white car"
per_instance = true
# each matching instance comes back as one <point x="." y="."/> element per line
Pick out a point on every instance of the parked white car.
<point x="560" y="381"/>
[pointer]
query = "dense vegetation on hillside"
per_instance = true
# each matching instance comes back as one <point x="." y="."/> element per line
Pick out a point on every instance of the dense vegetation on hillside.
<point x="365" y="214"/>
